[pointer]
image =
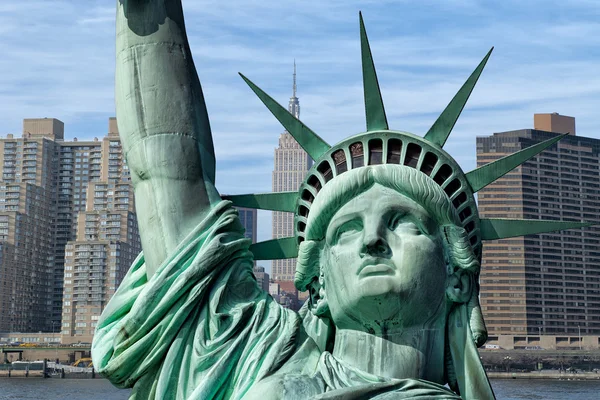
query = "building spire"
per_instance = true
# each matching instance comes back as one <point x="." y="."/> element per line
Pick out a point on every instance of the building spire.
<point x="294" y="87"/>
<point x="294" y="104"/>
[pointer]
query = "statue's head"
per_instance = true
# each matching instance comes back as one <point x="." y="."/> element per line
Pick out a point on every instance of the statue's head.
<point x="388" y="235"/>
<point x="385" y="247"/>
<point x="387" y="227"/>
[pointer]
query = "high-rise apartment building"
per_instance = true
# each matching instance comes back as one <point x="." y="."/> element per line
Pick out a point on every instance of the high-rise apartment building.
<point x="28" y="188"/>
<point x="43" y="187"/>
<point x="546" y="283"/>
<point x="26" y="260"/>
<point x="81" y="162"/>
<point x="106" y="245"/>
<point x="291" y="165"/>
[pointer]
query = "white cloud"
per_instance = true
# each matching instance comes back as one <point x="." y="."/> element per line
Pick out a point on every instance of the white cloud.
<point x="58" y="61"/>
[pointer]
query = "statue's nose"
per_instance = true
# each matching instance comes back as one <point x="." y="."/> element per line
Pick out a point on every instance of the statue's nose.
<point x="375" y="245"/>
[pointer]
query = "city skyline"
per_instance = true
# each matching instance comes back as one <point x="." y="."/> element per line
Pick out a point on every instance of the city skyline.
<point x="60" y="63"/>
<point x="68" y="228"/>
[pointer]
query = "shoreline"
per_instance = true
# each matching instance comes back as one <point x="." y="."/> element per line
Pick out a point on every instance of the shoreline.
<point x="565" y="376"/>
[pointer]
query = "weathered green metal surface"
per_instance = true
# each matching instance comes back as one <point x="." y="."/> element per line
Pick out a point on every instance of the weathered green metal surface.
<point x="277" y="201"/>
<point x="374" y="110"/>
<point x="275" y="249"/>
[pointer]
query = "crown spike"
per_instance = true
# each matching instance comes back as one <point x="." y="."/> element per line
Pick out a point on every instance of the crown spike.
<point x="441" y="128"/>
<point x="492" y="229"/>
<point x="278" y="201"/>
<point x="275" y="249"/>
<point x="483" y="176"/>
<point x="310" y="141"/>
<point x="375" y="112"/>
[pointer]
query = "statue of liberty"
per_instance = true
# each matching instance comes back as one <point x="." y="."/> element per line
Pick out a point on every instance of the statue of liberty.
<point x="388" y="241"/>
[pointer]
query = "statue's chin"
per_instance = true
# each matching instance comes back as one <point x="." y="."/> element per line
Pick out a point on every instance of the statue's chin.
<point x="368" y="309"/>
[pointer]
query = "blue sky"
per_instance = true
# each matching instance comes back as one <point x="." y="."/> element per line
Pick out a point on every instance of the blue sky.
<point x="58" y="61"/>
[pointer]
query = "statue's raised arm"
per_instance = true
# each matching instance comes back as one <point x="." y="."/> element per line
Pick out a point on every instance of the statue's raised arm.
<point x="163" y="125"/>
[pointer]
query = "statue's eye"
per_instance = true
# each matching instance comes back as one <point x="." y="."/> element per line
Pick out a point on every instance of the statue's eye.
<point x="347" y="230"/>
<point x="396" y="219"/>
<point x="403" y="222"/>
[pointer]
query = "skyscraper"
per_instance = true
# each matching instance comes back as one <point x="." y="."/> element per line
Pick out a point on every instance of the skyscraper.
<point x="43" y="187"/>
<point x="96" y="262"/>
<point x="291" y="165"/>
<point x="82" y="162"/>
<point x="547" y="283"/>
<point x="26" y="257"/>
<point x="28" y="190"/>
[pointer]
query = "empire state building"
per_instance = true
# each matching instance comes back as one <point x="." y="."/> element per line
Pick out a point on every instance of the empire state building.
<point x="291" y="165"/>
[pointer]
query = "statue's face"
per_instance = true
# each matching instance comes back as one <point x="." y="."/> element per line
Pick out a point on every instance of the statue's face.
<point x="383" y="263"/>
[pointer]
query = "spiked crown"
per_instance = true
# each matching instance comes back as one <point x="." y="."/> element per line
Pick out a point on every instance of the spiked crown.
<point x="380" y="145"/>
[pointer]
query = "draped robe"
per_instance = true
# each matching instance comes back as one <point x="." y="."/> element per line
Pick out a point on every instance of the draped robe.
<point x="201" y="328"/>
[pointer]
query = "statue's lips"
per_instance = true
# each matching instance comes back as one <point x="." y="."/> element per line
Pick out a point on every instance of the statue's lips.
<point x="375" y="270"/>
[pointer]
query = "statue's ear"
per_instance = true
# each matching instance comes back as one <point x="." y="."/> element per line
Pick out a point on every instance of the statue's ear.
<point x="318" y="298"/>
<point x="313" y="294"/>
<point x="460" y="285"/>
<point x="316" y="318"/>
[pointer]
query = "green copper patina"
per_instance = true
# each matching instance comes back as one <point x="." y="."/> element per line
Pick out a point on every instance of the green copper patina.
<point x="388" y="241"/>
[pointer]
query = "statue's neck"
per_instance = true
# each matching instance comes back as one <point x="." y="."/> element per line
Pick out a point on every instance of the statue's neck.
<point x="412" y="353"/>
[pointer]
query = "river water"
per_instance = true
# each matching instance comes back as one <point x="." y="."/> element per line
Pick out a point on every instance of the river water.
<point x="100" y="389"/>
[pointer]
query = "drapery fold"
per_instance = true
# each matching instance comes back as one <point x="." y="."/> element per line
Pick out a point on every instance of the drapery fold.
<point x="200" y="328"/>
